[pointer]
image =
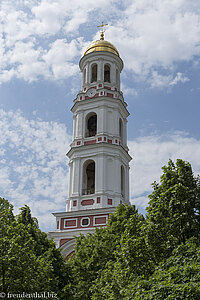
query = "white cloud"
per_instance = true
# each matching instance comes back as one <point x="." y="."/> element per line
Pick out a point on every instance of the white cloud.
<point x="33" y="168"/>
<point x="43" y="39"/>
<point x="129" y="91"/>
<point x="150" y="153"/>
<point x="179" y="78"/>
<point x="157" y="34"/>
<point x="161" y="81"/>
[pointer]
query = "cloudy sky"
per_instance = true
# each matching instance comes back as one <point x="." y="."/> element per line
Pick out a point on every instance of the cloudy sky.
<point x="41" y="43"/>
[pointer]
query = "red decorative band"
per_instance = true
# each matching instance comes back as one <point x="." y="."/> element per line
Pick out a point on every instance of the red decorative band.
<point x="109" y="95"/>
<point x="62" y="241"/>
<point x="87" y="202"/>
<point x="100" y="220"/>
<point x="90" y="142"/>
<point x="109" y="201"/>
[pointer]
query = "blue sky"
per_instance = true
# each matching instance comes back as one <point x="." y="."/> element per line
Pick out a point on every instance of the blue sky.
<point x="41" y="43"/>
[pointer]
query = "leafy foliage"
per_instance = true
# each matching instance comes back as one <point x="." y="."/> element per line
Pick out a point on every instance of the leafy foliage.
<point x="156" y="257"/>
<point x="173" y="211"/>
<point x="132" y="258"/>
<point x="176" y="278"/>
<point x="95" y="251"/>
<point x="29" y="262"/>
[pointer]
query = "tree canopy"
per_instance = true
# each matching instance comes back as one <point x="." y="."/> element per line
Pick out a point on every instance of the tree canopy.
<point x="29" y="262"/>
<point x="134" y="257"/>
<point x="151" y="257"/>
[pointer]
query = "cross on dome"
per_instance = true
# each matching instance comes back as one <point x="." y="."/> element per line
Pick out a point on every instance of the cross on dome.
<point x="102" y="31"/>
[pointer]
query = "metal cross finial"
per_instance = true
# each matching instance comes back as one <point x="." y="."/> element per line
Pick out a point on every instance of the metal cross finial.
<point x="102" y="31"/>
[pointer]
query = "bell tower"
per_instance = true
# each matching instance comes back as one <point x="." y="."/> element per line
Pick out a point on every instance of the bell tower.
<point x="98" y="158"/>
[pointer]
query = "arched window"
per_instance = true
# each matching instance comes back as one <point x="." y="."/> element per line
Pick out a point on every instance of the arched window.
<point x="121" y="130"/>
<point x="122" y="181"/>
<point x="94" y="73"/>
<point x="91" y="125"/>
<point x="88" y="178"/>
<point x="106" y="73"/>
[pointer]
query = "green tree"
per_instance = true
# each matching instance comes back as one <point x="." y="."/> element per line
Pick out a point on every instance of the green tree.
<point x="29" y="261"/>
<point x="45" y="248"/>
<point x="123" y="260"/>
<point x="131" y="259"/>
<point x="95" y="251"/>
<point x="173" y="211"/>
<point x="178" y="277"/>
<point x="6" y="220"/>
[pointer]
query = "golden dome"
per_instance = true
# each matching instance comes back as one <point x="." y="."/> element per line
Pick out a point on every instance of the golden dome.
<point x="101" y="45"/>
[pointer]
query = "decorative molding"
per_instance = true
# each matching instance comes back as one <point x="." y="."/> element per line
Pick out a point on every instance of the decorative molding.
<point x="87" y="202"/>
<point x="109" y="201"/>
<point x="84" y="219"/>
<point x="71" y="221"/>
<point x="62" y="241"/>
<point x="100" y="220"/>
<point x="90" y="142"/>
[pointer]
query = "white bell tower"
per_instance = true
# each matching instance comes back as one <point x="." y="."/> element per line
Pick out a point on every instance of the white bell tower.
<point x="98" y="158"/>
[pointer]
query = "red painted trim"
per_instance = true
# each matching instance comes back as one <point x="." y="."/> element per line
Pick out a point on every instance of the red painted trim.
<point x="74" y="203"/>
<point x="78" y="143"/>
<point x="109" y="201"/>
<point x="70" y="223"/>
<point x="58" y="224"/>
<point x="116" y="141"/>
<point x="107" y="87"/>
<point x="109" y="95"/>
<point x="90" y="142"/>
<point x="100" y="85"/>
<point x="92" y="220"/>
<point x="105" y="139"/>
<point x="100" y="220"/>
<point x="109" y="141"/>
<point x="87" y="202"/>
<point x="99" y="139"/>
<point x="62" y="241"/>
<point x="98" y="199"/>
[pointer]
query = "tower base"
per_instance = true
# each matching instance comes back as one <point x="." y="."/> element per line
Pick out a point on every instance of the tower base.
<point x="73" y="223"/>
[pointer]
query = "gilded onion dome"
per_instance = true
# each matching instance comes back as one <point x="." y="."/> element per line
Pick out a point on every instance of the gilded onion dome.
<point x="101" y="45"/>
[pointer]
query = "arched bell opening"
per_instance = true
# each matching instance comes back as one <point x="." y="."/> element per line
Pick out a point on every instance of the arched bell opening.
<point x="106" y="73"/>
<point x="122" y="181"/>
<point x="88" y="178"/>
<point x="91" y="125"/>
<point x="94" y="73"/>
